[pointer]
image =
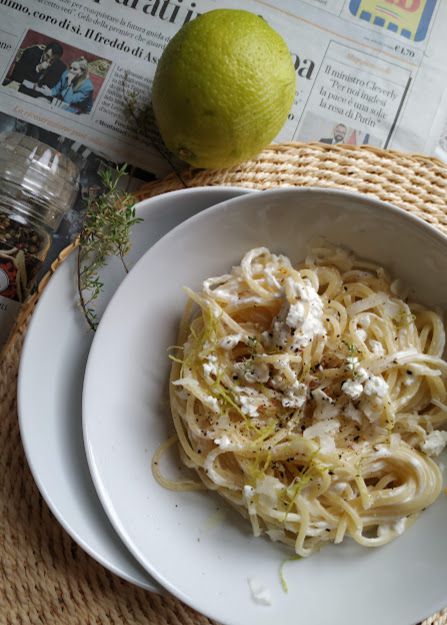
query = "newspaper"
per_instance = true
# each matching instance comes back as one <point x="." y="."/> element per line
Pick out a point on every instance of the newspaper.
<point x="368" y="72"/>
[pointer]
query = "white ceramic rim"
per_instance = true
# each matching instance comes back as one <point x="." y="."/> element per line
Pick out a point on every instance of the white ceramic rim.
<point x="144" y="205"/>
<point x="167" y="584"/>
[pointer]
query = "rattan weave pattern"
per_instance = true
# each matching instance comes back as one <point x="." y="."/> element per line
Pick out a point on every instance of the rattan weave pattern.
<point x="45" y="578"/>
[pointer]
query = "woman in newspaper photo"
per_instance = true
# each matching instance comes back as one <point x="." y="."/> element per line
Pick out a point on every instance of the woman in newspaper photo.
<point x="74" y="89"/>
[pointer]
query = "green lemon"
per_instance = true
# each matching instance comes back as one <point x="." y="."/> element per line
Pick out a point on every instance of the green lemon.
<point x="223" y="88"/>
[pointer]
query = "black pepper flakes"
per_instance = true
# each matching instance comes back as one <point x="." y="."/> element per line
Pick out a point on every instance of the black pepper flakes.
<point x="20" y="246"/>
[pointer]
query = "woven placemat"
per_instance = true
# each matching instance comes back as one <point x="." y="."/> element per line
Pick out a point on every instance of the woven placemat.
<point x="45" y="578"/>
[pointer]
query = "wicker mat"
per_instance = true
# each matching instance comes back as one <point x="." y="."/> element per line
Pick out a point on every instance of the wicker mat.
<point x="45" y="578"/>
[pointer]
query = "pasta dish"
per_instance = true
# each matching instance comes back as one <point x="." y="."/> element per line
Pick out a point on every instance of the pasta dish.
<point x="312" y="398"/>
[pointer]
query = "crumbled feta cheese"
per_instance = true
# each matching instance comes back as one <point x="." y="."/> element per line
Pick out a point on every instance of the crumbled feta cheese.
<point x="225" y="443"/>
<point x="352" y="361"/>
<point x="211" y="402"/>
<point x="210" y="365"/>
<point x="295" y="396"/>
<point x="361" y="334"/>
<point x="259" y="592"/>
<point x="248" y="407"/>
<point x="230" y="342"/>
<point x="372" y="387"/>
<point x="361" y="374"/>
<point x="210" y="368"/>
<point x="400" y="526"/>
<point x="249" y="491"/>
<point x="434" y="443"/>
<point x="375" y="386"/>
<point x="306" y="314"/>
<point x="296" y="315"/>
<point x="352" y="388"/>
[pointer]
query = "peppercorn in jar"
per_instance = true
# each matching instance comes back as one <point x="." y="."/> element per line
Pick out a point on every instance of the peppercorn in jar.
<point x="37" y="186"/>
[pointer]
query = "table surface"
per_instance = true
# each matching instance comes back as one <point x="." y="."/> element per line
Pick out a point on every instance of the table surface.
<point x="44" y="576"/>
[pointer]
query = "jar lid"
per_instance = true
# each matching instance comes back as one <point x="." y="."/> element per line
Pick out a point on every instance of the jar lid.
<point x="41" y="183"/>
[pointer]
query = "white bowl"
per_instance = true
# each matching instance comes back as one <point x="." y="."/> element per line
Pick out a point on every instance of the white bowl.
<point x="126" y="416"/>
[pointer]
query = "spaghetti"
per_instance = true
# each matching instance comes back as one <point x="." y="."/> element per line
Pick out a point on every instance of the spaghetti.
<point x="312" y="398"/>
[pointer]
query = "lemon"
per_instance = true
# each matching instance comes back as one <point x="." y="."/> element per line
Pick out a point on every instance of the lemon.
<point x="222" y="88"/>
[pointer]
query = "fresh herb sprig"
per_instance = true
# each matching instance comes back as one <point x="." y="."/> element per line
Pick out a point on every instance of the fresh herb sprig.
<point x="144" y="125"/>
<point x="105" y="233"/>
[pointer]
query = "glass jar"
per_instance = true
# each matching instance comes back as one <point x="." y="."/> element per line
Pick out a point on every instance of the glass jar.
<point x="37" y="186"/>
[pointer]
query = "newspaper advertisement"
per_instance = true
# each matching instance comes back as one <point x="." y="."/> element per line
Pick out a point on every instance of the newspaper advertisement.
<point x="369" y="72"/>
<point x="382" y="69"/>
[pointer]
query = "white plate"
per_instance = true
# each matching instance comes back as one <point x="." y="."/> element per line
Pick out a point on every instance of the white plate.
<point x="50" y="386"/>
<point x="176" y="535"/>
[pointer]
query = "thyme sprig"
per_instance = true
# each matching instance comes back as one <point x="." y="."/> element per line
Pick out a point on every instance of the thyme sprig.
<point x="105" y="233"/>
<point x="144" y="123"/>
